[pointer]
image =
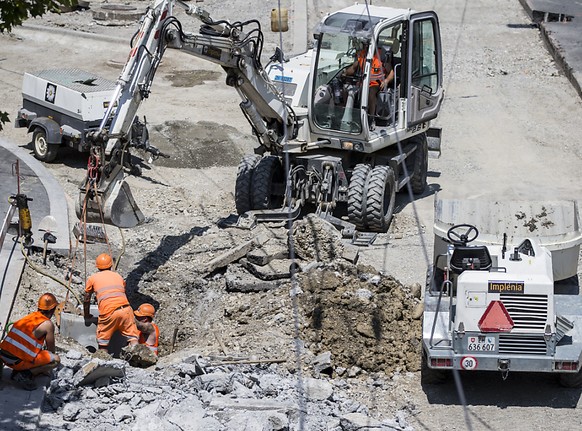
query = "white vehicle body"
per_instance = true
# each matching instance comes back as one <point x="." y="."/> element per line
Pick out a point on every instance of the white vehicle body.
<point x="498" y="307"/>
<point x="65" y="104"/>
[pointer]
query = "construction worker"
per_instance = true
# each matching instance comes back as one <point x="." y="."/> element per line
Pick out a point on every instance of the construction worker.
<point x="115" y="313"/>
<point x="149" y="331"/>
<point x="381" y="74"/>
<point x="22" y="348"/>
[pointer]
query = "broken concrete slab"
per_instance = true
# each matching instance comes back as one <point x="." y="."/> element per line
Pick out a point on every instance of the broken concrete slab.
<point x="317" y="389"/>
<point x="238" y="279"/>
<point x="251" y="404"/>
<point x="252" y="421"/>
<point x="351" y="253"/>
<point x="322" y="363"/>
<point x="97" y="368"/>
<point x="139" y="355"/>
<point x="358" y="422"/>
<point x="235" y="253"/>
<point x="275" y="270"/>
<point x="271" y="250"/>
<point x="316" y="239"/>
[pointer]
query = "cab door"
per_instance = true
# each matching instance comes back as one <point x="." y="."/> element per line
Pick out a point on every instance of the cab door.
<point x="424" y="69"/>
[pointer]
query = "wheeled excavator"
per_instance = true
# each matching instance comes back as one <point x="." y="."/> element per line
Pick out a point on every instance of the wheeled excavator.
<point x="319" y="146"/>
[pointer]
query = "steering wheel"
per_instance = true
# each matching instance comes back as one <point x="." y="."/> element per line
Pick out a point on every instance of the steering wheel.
<point x="457" y="237"/>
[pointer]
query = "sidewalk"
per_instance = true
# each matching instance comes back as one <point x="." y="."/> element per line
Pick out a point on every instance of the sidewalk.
<point x="560" y="24"/>
<point x="48" y="199"/>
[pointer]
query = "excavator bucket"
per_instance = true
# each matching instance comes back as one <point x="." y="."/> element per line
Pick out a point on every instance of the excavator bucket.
<point x="112" y="203"/>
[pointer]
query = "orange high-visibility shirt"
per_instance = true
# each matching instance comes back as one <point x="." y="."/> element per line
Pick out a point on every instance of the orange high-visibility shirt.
<point x="109" y="287"/>
<point x="20" y="340"/>
<point x="376" y="69"/>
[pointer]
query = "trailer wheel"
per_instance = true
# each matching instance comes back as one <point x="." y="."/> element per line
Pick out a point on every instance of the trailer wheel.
<point x="42" y="149"/>
<point x="357" y="195"/>
<point x="380" y="198"/>
<point x="242" y="188"/>
<point x="420" y="167"/>
<point x="430" y="376"/>
<point x="267" y="176"/>
<point x="568" y="380"/>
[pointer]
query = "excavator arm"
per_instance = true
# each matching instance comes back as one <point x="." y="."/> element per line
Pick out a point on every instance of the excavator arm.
<point x="104" y="195"/>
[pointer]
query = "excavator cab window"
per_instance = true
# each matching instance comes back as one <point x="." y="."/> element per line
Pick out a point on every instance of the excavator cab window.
<point x="337" y="97"/>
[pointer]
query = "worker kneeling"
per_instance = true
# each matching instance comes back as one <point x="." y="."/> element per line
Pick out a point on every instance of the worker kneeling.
<point x="22" y="348"/>
<point x="149" y="331"/>
<point x="115" y="313"/>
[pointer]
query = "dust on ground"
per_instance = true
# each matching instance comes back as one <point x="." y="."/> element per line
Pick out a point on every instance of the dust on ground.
<point x="190" y="78"/>
<point x="199" y="144"/>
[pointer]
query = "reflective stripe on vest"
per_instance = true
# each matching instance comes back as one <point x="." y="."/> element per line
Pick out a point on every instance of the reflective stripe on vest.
<point x="105" y="292"/>
<point x="376" y="68"/>
<point x="20" y="340"/>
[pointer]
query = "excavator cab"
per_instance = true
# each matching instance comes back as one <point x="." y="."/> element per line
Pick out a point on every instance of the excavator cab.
<point x="385" y="42"/>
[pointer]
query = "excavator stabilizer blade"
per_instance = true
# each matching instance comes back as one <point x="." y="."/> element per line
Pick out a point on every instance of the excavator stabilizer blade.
<point x="112" y="203"/>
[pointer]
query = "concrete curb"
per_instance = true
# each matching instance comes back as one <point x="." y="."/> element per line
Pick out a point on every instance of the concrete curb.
<point x="562" y="39"/>
<point x="56" y="195"/>
<point x="75" y="33"/>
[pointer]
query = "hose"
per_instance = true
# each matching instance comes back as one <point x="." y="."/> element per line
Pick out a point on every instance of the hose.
<point x="40" y="271"/>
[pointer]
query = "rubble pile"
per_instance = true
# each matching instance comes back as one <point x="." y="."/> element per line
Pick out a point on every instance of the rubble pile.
<point x="188" y="393"/>
<point x="367" y="321"/>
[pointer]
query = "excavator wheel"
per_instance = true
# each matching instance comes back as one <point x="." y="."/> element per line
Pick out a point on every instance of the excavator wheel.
<point x="420" y="166"/>
<point x="380" y="198"/>
<point x="265" y="190"/>
<point x="357" y="195"/>
<point x="244" y="176"/>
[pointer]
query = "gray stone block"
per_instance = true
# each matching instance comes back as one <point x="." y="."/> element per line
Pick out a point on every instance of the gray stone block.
<point x="359" y="422"/>
<point x="275" y="270"/>
<point x="317" y="389"/>
<point x="97" y="368"/>
<point x="271" y="250"/>
<point x="239" y="280"/>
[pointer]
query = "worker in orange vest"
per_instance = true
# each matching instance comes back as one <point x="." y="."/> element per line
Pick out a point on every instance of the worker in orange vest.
<point x="115" y="313"/>
<point x="149" y="331"/>
<point x="381" y="74"/>
<point x="22" y="348"/>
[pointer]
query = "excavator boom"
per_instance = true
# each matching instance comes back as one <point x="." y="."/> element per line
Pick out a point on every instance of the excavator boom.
<point x="104" y="195"/>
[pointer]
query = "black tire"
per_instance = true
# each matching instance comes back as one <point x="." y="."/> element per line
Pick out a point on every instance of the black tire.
<point x="242" y="188"/>
<point x="357" y="195"/>
<point x="380" y="198"/>
<point x="420" y="166"/>
<point x="430" y="376"/>
<point x="42" y="149"/>
<point x="263" y="193"/>
<point x="568" y="380"/>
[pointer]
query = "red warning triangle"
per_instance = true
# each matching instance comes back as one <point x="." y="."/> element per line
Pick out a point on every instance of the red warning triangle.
<point x="496" y="318"/>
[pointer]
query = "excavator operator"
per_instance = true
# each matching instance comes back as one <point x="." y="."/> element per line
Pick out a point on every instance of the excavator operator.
<point x="381" y="74"/>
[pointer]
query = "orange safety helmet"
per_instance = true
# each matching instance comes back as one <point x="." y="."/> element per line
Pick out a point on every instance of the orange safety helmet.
<point x="47" y="302"/>
<point x="104" y="261"/>
<point x="145" y="310"/>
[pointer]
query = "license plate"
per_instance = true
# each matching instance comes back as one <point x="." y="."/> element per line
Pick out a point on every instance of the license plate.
<point x="481" y="344"/>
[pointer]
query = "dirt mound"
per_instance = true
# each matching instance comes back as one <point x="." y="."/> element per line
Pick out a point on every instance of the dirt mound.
<point x="363" y="318"/>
